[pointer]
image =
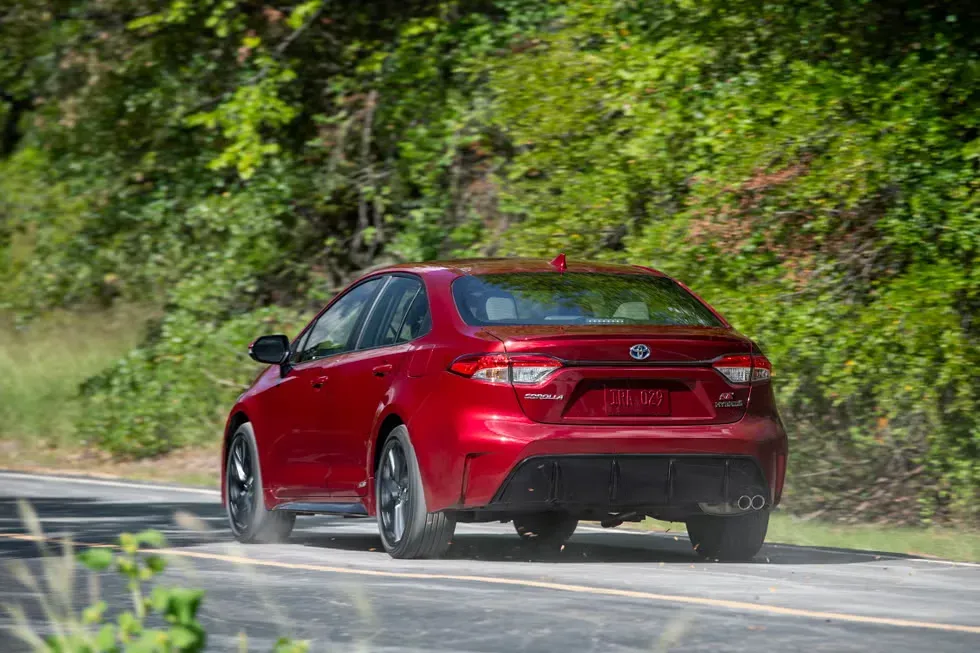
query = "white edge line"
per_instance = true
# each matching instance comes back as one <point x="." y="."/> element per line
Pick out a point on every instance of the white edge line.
<point x="106" y="483"/>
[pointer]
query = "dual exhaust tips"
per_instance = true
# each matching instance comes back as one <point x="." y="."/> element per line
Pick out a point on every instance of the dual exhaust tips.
<point x="745" y="502"/>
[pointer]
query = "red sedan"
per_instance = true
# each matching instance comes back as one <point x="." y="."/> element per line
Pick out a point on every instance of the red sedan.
<point x="509" y="390"/>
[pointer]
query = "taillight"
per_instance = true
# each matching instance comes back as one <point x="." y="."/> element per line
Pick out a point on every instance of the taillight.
<point x="521" y="369"/>
<point x="761" y="368"/>
<point x="744" y="368"/>
<point x="532" y="369"/>
<point x="486" y="367"/>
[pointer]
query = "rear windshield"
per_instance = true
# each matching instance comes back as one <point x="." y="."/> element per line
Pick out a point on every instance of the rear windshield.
<point x="540" y="298"/>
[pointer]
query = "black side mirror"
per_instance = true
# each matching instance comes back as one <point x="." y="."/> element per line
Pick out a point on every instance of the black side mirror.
<point x="273" y="350"/>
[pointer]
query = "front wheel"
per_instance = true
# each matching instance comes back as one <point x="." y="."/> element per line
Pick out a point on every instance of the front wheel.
<point x="407" y="529"/>
<point x="248" y="517"/>
<point x="728" y="538"/>
<point x="547" y="528"/>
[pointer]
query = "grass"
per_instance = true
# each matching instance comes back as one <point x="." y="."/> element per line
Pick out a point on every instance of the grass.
<point x="42" y="365"/>
<point x="947" y="543"/>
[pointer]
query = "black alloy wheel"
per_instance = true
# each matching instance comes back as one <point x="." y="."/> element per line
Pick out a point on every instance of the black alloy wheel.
<point x="407" y="528"/>
<point x="248" y="517"/>
<point x="241" y="485"/>
<point x="395" y="493"/>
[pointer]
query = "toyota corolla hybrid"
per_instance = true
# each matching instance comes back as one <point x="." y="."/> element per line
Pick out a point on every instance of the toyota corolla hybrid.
<point x="532" y="391"/>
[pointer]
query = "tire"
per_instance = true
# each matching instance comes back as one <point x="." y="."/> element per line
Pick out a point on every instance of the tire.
<point x="407" y="529"/>
<point x="248" y="517"/>
<point x="728" y="538"/>
<point x="546" y="528"/>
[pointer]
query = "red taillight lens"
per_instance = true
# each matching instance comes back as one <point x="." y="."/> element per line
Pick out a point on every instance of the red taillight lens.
<point x="527" y="369"/>
<point x="761" y="368"/>
<point x="744" y="368"/>
<point x="489" y="367"/>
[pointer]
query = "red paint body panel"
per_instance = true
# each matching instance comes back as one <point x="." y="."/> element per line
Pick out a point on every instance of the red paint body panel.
<point x="317" y="424"/>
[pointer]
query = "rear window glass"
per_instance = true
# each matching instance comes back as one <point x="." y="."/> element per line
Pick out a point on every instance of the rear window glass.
<point x="540" y="298"/>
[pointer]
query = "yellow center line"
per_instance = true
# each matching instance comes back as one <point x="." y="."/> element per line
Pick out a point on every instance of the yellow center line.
<point x="561" y="587"/>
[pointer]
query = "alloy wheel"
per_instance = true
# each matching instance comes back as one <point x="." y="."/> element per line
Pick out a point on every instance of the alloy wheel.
<point x="395" y="496"/>
<point x="241" y="484"/>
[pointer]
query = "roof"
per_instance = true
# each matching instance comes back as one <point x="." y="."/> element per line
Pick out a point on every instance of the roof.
<point x="501" y="265"/>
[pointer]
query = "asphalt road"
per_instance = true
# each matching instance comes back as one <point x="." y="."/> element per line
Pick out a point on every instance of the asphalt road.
<point x="606" y="591"/>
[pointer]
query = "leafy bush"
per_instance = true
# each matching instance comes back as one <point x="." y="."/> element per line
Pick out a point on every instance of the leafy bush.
<point x="175" y="389"/>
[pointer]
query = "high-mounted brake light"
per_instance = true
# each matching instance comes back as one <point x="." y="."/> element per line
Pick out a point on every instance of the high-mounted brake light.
<point x="744" y="368"/>
<point x="519" y="369"/>
<point x="559" y="263"/>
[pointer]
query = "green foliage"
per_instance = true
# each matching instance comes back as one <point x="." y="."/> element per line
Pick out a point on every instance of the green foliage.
<point x="130" y="630"/>
<point x="810" y="167"/>
<point x="250" y="110"/>
<point x="799" y="190"/>
<point x="175" y="389"/>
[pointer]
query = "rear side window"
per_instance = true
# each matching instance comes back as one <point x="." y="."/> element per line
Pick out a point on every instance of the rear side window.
<point x="543" y="298"/>
<point x="395" y="317"/>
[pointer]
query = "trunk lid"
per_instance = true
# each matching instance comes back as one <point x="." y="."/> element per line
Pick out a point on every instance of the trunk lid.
<point x="600" y="383"/>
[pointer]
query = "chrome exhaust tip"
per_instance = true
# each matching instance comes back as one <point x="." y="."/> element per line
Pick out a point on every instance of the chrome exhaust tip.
<point x="758" y="502"/>
<point x="744" y="502"/>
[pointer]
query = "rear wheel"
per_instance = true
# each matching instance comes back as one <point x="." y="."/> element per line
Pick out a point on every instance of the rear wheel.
<point x="728" y="538"/>
<point x="407" y="529"/>
<point x="548" y="528"/>
<point x="248" y="517"/>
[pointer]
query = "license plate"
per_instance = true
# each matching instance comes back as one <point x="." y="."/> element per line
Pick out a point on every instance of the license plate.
<point x="637" y="401"/>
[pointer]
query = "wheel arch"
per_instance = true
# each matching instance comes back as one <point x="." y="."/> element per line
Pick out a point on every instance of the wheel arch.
<point x="235" y="420"/>
<point x="388" y="424"/>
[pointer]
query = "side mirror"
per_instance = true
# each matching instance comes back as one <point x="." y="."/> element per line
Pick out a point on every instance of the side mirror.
<point x="273" y="350"/>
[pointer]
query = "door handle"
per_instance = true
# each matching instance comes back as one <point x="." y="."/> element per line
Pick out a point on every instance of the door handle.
<point x="319" y="381"/>
<point x="381" y="370"/>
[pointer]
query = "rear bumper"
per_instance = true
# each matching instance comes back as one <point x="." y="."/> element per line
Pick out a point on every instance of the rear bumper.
<point x="473" y="448"/>
<point x="623" y="482"/>
<point x="479" y="461"/>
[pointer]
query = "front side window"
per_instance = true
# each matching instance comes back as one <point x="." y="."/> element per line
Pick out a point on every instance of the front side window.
<point x="335" y="330"/>
<point x="583" y="298"/>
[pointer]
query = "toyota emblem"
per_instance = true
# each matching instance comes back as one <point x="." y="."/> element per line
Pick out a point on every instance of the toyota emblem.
<point x="640" y="352"/>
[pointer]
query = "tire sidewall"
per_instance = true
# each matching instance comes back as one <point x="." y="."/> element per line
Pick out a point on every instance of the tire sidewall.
<point x="736" y="538"/>
<point x="545" y="528"/>
<point x="415" y="519"/>
<point x="260" y="514"/>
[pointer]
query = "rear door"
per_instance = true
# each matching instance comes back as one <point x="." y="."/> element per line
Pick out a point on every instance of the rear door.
<point x="360" y="381"/>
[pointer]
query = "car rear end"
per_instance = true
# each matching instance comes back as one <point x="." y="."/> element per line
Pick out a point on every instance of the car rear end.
<point x="603" y="394"/>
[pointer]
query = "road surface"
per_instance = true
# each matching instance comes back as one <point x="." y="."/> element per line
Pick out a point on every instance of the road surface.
<point x="611" y="590"/>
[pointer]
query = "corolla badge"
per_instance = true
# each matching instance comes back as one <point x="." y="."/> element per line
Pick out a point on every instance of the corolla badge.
<point x="728" y="400"/>
<point x="640" y="352"/>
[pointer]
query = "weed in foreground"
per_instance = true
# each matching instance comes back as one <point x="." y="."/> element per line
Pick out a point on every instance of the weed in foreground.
<point x="161" y="619"/>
